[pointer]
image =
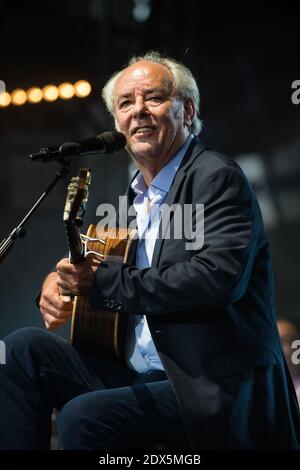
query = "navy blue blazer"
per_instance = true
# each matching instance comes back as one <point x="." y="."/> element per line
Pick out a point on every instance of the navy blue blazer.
<point x="211" y="313"/>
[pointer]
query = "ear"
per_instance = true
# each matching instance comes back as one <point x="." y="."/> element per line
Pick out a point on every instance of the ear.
<point x="189" y="112"/>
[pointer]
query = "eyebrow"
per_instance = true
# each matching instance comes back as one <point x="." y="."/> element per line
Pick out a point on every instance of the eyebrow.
<point x="124" y="95"/>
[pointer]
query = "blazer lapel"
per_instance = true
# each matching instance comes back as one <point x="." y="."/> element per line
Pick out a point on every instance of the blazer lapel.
<point x="193" y="151"/>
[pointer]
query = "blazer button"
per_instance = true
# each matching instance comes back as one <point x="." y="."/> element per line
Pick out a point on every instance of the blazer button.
<point x="106" y="303"/>
<point x="111" y="303"/>
<point x="119" y="306"/>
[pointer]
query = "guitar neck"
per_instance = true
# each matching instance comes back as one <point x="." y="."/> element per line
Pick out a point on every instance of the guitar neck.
<point x="74" y="210"/>
<point x="76" y="247"/>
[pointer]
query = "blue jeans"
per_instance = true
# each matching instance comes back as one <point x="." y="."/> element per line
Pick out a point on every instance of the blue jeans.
<point x="102" y="404"/>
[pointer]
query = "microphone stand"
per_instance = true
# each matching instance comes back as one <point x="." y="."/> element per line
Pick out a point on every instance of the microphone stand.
<point x="19" y="231"/>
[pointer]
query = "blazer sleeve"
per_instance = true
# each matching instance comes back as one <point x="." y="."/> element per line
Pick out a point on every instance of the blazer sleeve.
<point x="212" y="276"/>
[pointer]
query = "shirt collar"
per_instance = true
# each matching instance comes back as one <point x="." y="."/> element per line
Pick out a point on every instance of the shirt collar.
<point x="164" y="178"/>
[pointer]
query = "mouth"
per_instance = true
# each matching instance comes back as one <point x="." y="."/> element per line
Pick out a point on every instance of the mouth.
<point x="143" y="130"/>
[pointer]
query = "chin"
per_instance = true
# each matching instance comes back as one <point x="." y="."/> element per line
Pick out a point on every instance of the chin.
<point x="143" y="149"/>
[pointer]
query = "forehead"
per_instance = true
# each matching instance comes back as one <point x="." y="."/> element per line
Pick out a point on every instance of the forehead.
<point x="143" y="75"/>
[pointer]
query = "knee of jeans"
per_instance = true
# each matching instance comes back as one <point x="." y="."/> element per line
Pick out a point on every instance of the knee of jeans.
<point x="67" y="426"/>
<point x="28" y="337"/>
<point x="71" y="423"/>
<point x="86" y="422"/>
<point x="76" y="411"/>
<point x="67" y="418"/>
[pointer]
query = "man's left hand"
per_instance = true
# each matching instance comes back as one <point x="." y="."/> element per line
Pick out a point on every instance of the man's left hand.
<point x="76" y="279"/>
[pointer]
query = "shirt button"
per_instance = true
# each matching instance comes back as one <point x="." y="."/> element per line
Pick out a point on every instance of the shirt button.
<point x="148" y="360"/>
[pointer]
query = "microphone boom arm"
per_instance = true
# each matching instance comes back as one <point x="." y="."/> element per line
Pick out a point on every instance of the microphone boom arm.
<point x="19" y="231"/>
<point x="107" y="142"/>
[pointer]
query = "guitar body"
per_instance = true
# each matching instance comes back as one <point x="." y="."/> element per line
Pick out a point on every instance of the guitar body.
<point x="96" y="331"/>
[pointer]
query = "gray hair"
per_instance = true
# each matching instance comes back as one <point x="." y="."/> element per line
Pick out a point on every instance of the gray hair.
<point x="184" y="82"/>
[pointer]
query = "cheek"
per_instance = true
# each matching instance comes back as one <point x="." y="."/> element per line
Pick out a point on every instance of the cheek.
<point x="121" y="123"/>
<point x="173" y="116"/>
<point x="172" y="121"/>
<point x="177" y="113"/>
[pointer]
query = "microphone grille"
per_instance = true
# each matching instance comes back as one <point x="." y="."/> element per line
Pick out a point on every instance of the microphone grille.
<point x="113" y="140"/>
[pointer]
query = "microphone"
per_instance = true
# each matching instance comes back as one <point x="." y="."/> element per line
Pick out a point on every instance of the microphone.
<point x="107" y="142"/>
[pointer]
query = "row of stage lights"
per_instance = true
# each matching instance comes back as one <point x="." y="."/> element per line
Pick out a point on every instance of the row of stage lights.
<point x="34" y="95"/>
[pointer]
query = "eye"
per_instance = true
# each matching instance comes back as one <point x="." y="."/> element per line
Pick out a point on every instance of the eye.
<point x="124" y="104"/>
<point x="156" y="99"/>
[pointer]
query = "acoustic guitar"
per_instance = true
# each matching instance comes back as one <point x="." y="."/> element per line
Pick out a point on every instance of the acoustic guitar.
<point x="94" y="331"/>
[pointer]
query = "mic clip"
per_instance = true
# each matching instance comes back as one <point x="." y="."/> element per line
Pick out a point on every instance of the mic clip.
<point x="47" y="154"/>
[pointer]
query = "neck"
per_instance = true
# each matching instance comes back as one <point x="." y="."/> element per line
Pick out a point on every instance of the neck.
<point x="148" y="171"/>
<point x="150" y="167"/>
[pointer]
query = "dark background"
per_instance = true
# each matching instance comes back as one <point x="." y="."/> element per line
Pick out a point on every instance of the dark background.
<point x="244" y="58"/>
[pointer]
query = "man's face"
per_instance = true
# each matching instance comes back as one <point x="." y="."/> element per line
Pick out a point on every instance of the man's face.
<point x="149" y="113"/>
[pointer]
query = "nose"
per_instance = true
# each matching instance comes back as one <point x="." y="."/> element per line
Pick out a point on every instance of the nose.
<point x="139" y="108"/>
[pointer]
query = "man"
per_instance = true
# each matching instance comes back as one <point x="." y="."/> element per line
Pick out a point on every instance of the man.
<point x="204" y="365"/>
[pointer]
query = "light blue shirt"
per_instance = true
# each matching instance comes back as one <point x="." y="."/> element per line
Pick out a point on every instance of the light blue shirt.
<point x="147" y="205"/>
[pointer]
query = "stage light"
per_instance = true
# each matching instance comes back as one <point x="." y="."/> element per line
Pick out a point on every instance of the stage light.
<point x="82" y="88"/>
<point x="50" y="93"/>
<point x="142" y="10"/>
<point x="5" y="99"/>
<point x="18" y="97"/>
<point x="66" y="91"/>
<point x="34" y="95"/>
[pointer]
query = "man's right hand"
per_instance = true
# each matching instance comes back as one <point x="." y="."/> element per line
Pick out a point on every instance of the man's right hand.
<point x="56" y="313"/>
